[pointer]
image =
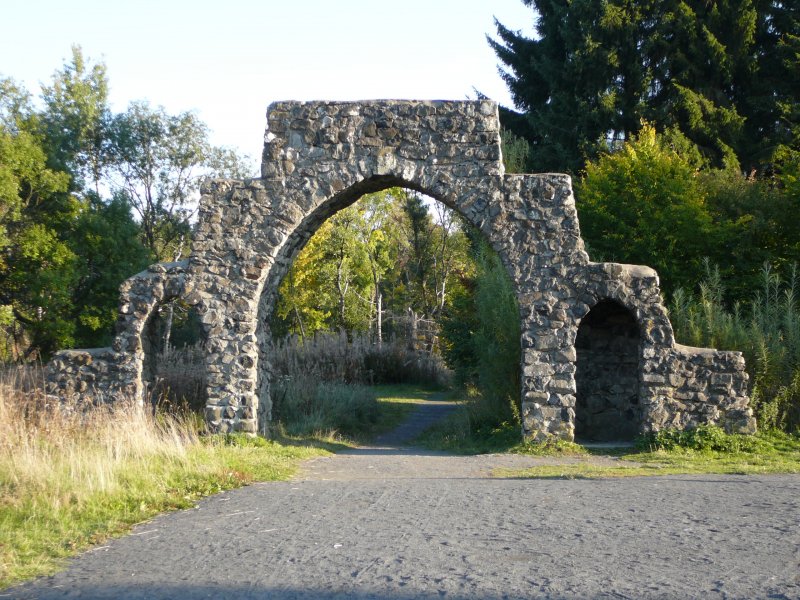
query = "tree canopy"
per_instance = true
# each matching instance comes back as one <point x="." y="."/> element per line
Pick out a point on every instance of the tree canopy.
<point x="88" y="198"/>
<point x="722" y="74"/>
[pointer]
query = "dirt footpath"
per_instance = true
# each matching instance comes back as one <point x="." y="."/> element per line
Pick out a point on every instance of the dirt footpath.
<point x="391" y="522"/>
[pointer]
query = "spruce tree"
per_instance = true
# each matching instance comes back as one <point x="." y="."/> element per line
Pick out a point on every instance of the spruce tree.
<point x="724" y="74"/>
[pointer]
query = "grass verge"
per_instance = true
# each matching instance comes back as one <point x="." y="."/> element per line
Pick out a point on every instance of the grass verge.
<point x="69" y="480"/>
<point x="704" y="450"/>
<point x="763" y="453"/>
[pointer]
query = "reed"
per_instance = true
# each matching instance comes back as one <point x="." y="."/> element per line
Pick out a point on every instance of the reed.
<point x="766" y="331"/>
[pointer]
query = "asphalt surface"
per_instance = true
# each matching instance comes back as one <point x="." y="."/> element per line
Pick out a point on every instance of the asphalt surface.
<point x="404" y="523"/>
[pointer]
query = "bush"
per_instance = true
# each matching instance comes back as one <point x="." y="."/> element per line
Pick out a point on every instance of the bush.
<point x="767" y="332"/>
<point x="644" y="205"/>
<point x="482" y="343"/>
<point x="703" y="438"/>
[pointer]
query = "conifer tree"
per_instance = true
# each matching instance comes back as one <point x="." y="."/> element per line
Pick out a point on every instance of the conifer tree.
<point x="723" y="74"/>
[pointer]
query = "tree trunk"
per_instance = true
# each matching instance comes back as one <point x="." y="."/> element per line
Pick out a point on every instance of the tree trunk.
<point x="412" y="329"/>
<point x="379" y="317"/>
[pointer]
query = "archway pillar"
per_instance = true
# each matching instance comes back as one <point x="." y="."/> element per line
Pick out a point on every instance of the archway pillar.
<point x="548" y="370"/>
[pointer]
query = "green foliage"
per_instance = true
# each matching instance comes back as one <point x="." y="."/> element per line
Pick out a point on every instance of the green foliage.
<point x="703" y="438"/>
<point x="644" y="205"/>
<point x="76" y="119"/>
<point x="388" y="265"/>
<point x="496" y="341"/>
<point x="481" y="341"/>
<point x="64" y="248"/>
<point x="722" y="73"/>
<point x="752" y="229"/>
<point x="767" y="332"/>
<point x="516" y="152"/>
<point x="157" y="159"/>
<point x="105" y="239"/>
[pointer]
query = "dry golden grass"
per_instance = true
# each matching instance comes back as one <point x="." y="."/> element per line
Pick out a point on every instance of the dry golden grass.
<point x="69" y="477"/>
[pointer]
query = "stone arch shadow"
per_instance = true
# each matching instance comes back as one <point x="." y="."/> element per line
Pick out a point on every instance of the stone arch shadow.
<point x="320" y="157"/>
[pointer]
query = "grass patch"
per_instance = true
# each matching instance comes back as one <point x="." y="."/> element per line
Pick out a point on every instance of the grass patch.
<point x="763" y="453"/>
<point x="396" y="403"/>
<point x="389" y="406"/>
<point x="459" y="434"/>
<point x="703" y="450"/>
<point x="69" y="480"/>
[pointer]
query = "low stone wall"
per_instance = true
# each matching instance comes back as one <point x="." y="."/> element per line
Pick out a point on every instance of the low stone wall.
<point x="87" y="377"/>
<point x="704" y="386"/>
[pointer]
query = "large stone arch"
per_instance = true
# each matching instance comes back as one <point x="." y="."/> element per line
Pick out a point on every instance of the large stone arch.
<point x="321" y="156"/>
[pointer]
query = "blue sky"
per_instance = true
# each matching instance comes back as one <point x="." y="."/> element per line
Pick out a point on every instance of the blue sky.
<point x="227" y="60"/>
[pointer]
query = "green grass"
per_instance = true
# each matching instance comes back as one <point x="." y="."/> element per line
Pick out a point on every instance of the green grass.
<point x="69" y="482"/>
<point x="670" y="452"/>
<point x="460" y="435"/>
<point x="392" y="405"/>
<point x="763" y="453"/>
<point x="396" y="403"/>
<point x="38" y="533"/>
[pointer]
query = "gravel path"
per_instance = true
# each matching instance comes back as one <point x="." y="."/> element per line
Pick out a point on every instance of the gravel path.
<point x="388" y="522"/>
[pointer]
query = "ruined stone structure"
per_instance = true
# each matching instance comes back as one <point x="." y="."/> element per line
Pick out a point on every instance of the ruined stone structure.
<point x="598" y="350"/>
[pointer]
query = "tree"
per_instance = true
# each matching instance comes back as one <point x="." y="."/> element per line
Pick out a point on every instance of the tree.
<point x="105" y="240"/>
<point x="644" y="205"/>
<point x="76" y="119"/>
<point x="562" y="81"/>
<point x="158" y="160"/>
<point x="721" y="73"/>
<point x="37" y="269"/>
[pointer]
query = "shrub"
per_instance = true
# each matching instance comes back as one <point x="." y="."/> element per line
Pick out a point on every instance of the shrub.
<point x="767" y="332"/>
<point x="482" y="342"/>
<point x="703" y="438"/>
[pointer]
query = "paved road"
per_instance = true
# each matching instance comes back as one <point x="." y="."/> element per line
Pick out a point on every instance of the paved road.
<point x="408" y="524"/>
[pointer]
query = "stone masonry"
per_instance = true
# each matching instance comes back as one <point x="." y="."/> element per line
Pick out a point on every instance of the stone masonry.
<point x="320" y="157"/>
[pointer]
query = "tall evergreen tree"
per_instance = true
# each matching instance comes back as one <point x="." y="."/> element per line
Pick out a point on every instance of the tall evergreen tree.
<point x="723" y="74"/>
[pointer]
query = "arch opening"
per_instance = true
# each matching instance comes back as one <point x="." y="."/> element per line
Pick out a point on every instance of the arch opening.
<point x="405" y="333"/>
<point x="174" y="346"/>
<point x="607" y="375"/>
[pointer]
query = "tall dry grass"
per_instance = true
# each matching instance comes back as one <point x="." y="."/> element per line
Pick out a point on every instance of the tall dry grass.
<point x="74" y="453"/>
<point x="320" y="385"/>
<point x="180" y="378"/>
<point x="356" y="359"/>
<point x="71" y="476"/>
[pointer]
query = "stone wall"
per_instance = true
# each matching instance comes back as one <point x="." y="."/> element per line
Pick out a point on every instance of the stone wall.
<point x="320" y="157"/>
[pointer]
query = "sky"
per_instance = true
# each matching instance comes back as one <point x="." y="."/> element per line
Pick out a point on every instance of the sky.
<point x="228" y="59"/>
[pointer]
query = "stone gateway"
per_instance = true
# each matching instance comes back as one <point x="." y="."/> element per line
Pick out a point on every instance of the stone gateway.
<point x="597" y="348"/>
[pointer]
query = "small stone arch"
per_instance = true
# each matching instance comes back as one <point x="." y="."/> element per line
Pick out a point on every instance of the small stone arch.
<point x="608" y="354"/>
<point x="321" y="156"/>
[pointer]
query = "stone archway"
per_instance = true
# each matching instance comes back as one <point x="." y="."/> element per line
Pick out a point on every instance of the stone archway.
<point x="320" y="157"/>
